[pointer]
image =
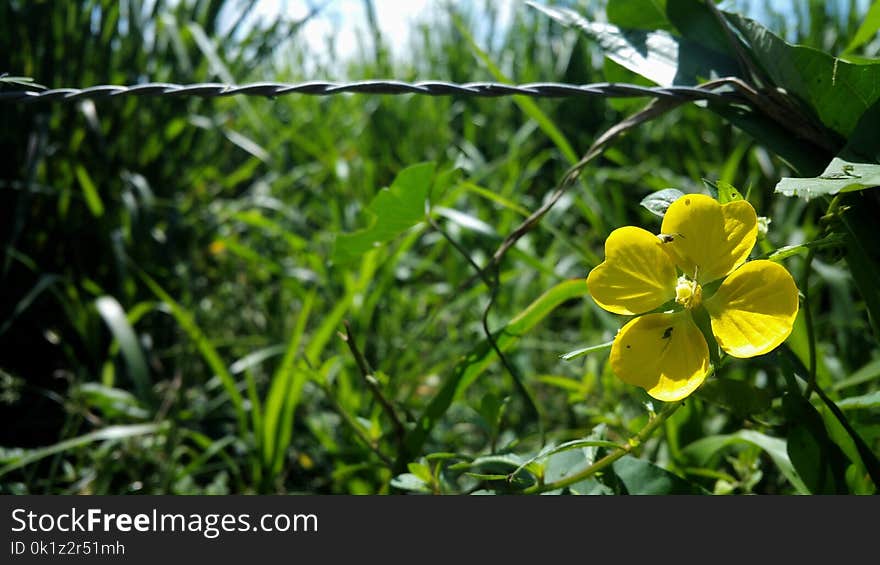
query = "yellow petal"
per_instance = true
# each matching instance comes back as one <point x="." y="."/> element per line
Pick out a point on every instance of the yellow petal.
<point x="663" y="353"/>
<point x="709" y="238"/>
<point x="754" y="309"/>
<point x="636" y="276"/>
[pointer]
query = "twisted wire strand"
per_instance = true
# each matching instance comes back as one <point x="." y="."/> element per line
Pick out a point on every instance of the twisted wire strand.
<point x="322" y="88"/>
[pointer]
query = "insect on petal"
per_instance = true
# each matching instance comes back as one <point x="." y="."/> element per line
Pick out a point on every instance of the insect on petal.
<point x="663" y="353"/>
<point x="713" y="239"/>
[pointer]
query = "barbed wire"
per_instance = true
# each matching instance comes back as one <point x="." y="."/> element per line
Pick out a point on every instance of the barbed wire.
<point x="394" y="87"/>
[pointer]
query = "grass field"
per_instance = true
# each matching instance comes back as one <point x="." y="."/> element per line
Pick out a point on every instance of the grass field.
<point x="181" y="314"/>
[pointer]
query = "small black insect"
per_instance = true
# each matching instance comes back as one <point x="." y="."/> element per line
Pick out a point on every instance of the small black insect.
<point x="669" y="237"/>
<point x="667" y="333"/>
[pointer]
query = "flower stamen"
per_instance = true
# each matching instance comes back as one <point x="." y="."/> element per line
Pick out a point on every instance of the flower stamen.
<point x="688" y="293"/>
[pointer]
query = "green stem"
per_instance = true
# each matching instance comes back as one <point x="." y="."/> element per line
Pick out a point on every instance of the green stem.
<point x="634" y="442"/>
<point x="808" y="321"/>
<point x="808" y="313"/>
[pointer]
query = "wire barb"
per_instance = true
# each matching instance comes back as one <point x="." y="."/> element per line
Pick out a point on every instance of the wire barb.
<point x="389" y="87"/>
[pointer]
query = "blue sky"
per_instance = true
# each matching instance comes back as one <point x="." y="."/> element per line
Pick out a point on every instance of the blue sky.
<point x="344" y="19"/>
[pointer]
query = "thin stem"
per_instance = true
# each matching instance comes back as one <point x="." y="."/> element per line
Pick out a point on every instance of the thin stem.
<point x="808" y="321"/>
<point x="373" y="384"/>
<point x="490" y="279"/>
<point x="654" y="109"/>
<point x="634" y="442"/>
<point x="808" y="313"/>
<point x="359" y="432"/>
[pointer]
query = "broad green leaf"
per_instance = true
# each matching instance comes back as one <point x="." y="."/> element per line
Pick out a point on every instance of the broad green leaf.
<point x="867" y="30"/>
<point x="114" y="316"/>
<point x="708" y="449"/>
<point x="727" y="192"/>
<point x="863" y="144"/>
<point x="818" y="460"/>
<point x="839" y="176"/>
<point x="394" y="210"/>
<point x="801" y="154"/>
<point x="694" y="20"/>
<point x="473" y="364"/>
<point x="656" y="55"/>
<point x="565" y="463"/>
<point x="409" y="482"/>
<point x="637" y="14"/>
<point x="658" y="202"/>
<point x="838" y="92"/>
<point x="643" y="477"/>
<point x="420" y="470"/>
<point x="863" y="402"/>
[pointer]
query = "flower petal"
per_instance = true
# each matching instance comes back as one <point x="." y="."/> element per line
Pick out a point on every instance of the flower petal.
<point x="663" y="353"/>
<point x="636" y="276"/>
<point x="754" y="309"/>
<point x="707" y="235"/>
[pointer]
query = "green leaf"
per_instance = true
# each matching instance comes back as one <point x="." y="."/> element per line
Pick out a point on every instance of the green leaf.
<point x="643" y="477"/>
<point x="658" y="202"/>
<point x="656" y="55"/>
<point x="863" y="144"/>
<point x="114" y="316"/>
<point x="818" y="460"/>
<point x="586" y="351"/>
<point x="394" y="210"/>
<point x="727" y="192"/>
<point x="864" y="402"/>
<point x="867" y="30"/>
<point x="637" y="14"/>
<point x="867" y="373"/>
<point x="694" y="20"/>
<point x="284" y="394"/>
<point x="837" y="92"/>
<point x="741" y="398"/>
<point x="111" y="402"/>
<point x="706" y="450"/>
<point x="90" y="192"/>
<point x="409" y="482"/>
<point x="801" y="154"/>
<point x="20" y="458"/>
<point x="420" y="470"/>
<point x="839" y="176"/>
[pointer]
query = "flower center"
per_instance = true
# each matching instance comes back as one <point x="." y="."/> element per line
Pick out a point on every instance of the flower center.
<point x="688" y="293"/>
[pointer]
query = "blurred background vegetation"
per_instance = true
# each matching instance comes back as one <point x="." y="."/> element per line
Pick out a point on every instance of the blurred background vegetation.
<point x="170" y="312"/>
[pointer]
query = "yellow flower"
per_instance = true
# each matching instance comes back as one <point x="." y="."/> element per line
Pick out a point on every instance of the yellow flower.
<point x="697" y="266"/>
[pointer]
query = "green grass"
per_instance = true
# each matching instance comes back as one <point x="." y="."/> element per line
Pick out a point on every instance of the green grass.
<point x="211" y="226"/>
